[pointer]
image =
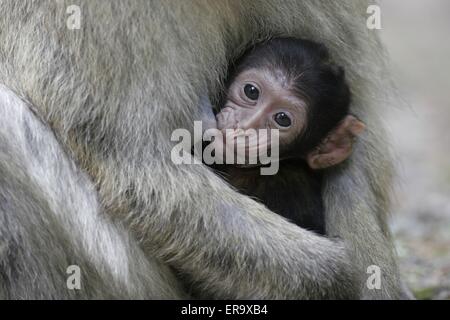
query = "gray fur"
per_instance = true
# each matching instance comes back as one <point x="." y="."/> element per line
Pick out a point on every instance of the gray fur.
<point x="113" y="92"/>
<point x="50" y="218"/>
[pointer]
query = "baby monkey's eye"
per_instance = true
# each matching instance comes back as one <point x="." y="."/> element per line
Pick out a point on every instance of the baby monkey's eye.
<point x="251" y="92"/>
<point x="282" y="119"/>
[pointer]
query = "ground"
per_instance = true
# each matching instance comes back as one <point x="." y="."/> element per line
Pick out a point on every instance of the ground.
<point x="417" y="35"/>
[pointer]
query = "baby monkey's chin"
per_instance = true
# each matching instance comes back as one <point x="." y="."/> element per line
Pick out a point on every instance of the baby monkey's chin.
<point x="243" y="157"/>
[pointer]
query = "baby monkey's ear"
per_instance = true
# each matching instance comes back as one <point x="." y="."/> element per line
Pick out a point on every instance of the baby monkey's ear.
<point x="337" y="146"/>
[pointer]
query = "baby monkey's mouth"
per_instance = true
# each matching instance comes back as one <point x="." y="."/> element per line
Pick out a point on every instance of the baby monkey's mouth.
<point x="244" y="148"/>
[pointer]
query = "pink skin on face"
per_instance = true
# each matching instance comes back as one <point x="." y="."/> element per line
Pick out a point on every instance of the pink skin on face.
<point x="241" y="112"/>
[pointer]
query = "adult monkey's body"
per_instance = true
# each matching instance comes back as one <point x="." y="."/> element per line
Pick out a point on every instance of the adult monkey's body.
<point x="114" y="91"/>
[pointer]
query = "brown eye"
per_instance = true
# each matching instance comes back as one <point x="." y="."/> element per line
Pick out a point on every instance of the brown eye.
<point x="283" y="119"/>
<point x="251" y="92"/>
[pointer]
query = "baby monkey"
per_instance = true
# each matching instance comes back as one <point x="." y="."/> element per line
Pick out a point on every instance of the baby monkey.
<point x="290" y="85"/>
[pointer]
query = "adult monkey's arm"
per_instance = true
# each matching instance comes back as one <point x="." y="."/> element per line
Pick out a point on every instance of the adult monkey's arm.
<point x="233" y="247"/>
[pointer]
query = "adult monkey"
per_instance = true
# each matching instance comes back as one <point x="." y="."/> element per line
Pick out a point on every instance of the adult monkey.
<point x="114" y="91"/>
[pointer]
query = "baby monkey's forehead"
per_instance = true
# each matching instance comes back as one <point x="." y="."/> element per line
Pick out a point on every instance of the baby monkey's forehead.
<point x="267" y="75"/>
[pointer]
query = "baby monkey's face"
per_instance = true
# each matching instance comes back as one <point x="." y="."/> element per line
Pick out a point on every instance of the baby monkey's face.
<point x="260" y="99"/>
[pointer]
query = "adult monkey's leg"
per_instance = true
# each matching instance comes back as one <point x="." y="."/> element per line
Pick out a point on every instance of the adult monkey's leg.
<point x="50" y="219"/>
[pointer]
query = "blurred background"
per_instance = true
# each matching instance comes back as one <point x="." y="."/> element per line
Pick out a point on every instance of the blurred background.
<point x="417" y="36"/>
